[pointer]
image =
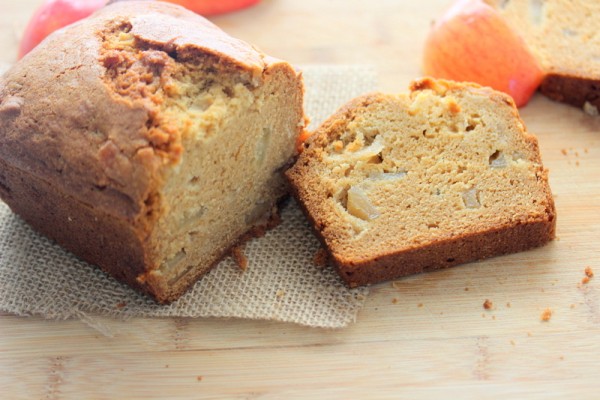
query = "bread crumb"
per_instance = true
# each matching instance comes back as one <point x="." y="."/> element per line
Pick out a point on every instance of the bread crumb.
<point x="508" y="305"/>
<point x="466" y="289"/>
<point x="577" y="163"/>
<point x="394" y="301"/>
<point x="199" y="378"/>
<point x="166" y="365"/>
<point x="239" y="257"/>
<point x="561" y="358"/>
<point x="585" y="150"/>
<point x="487" y="304"/>
<point x="563" y="151"/>
<point x="420" y="305"/>
<point x="546" y="315"/>
<point x="589" y="274"/>
<point x="494" y="317"/>
<point x="321" y="257"/>
<point x="512" y="342"/>
<point x="585" y="280"/>
<point x="572" y="305"/>
<point x="280" y="293"/>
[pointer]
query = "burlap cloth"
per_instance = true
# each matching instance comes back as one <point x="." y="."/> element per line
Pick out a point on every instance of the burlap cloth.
<point x="281" y="282"/>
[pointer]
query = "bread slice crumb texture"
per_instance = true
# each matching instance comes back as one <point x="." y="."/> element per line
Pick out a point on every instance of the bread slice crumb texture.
<point x="224" y="134"/>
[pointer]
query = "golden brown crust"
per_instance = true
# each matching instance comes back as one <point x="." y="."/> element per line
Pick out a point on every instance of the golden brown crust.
<point x="381" y="250"/>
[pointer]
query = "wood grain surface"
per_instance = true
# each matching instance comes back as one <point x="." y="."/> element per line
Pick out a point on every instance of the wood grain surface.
<point x="425" y="336"/>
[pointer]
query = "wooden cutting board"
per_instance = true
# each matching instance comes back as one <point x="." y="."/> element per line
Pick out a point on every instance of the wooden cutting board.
<point x="426" y="336"/>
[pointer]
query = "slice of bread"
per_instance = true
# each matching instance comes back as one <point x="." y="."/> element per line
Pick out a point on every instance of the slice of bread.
<point x="147" y="141"/>
<point x="564" y="37"/>
<point x="396" y="185"/>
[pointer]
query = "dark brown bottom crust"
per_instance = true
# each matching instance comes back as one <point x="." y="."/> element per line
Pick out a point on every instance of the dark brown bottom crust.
<point x="571" y="89"/>
<point x="448" y="253"/>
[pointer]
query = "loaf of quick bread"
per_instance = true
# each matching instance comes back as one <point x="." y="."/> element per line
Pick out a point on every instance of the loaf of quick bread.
<point x="563" y="35"/>
<point x="401" y="184"/>
<point x="147" y="141"/>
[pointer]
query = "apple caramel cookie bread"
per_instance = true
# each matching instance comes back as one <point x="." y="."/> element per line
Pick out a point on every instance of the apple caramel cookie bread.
<point x="402" y="184"/>
<point x="147" y="141"/>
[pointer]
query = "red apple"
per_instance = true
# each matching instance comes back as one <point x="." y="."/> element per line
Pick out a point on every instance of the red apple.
<point x="52" y="15"/>
<point x="214" y="7"/>
<point x="472" y="42"/>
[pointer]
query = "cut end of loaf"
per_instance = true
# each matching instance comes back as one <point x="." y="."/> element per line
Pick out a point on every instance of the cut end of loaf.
<point x="403" y="184"/>
<point x="223" y="134"/>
